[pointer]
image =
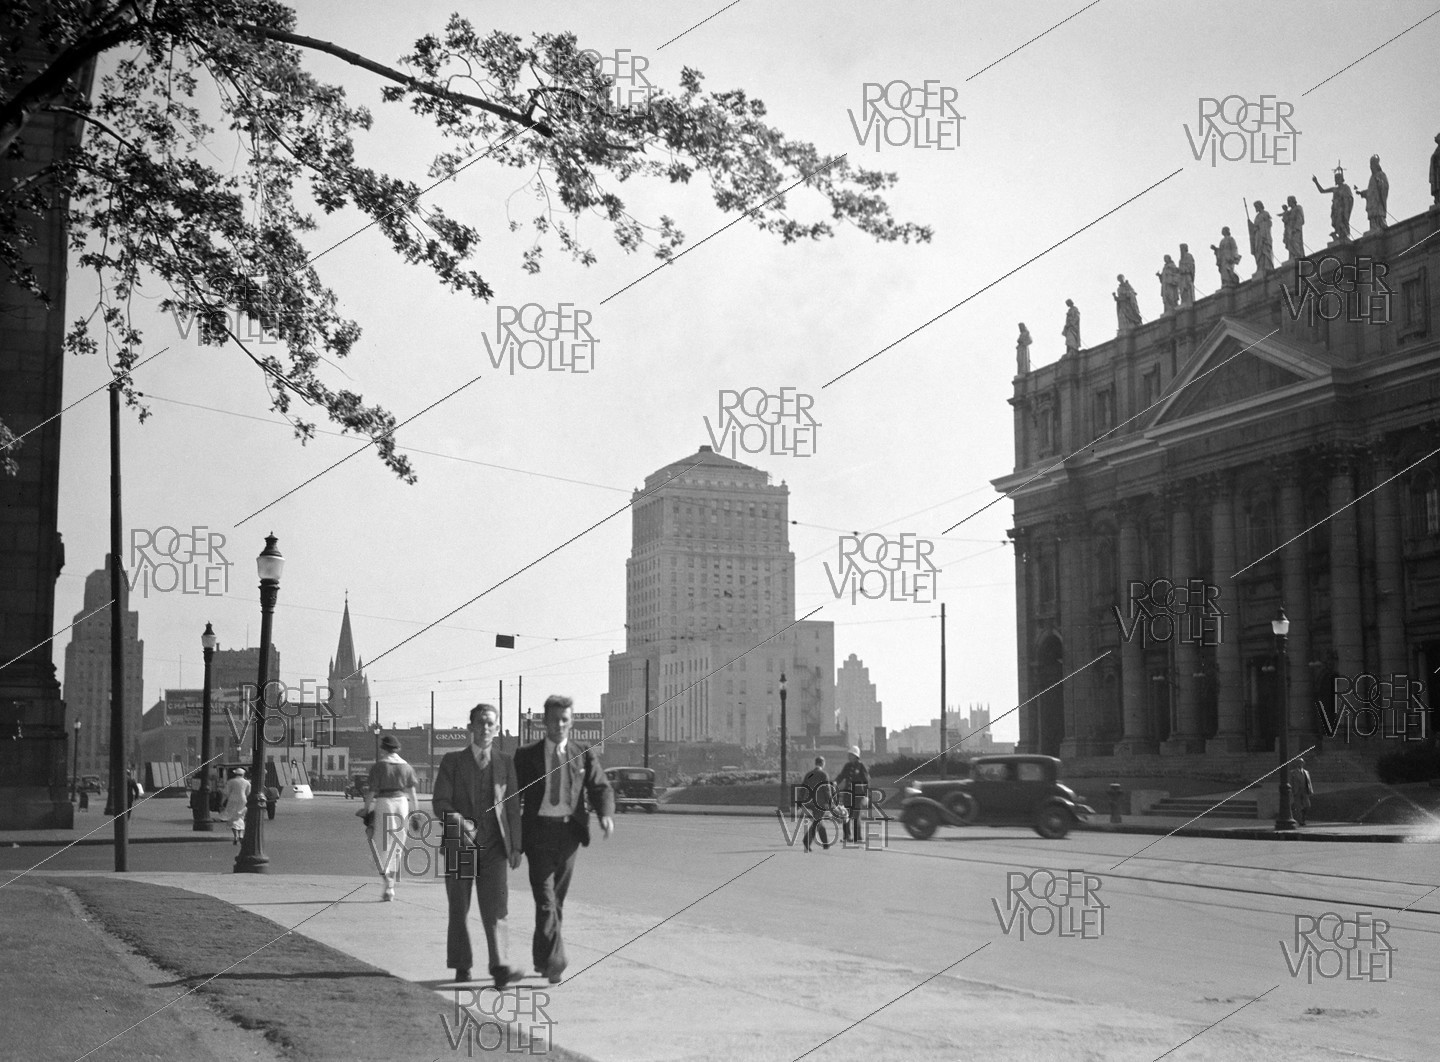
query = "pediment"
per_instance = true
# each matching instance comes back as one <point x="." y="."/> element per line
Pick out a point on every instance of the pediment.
<point x="1233" y="366"/>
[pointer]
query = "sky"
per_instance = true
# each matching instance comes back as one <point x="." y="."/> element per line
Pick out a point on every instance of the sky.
<point x="1078" y="136"/>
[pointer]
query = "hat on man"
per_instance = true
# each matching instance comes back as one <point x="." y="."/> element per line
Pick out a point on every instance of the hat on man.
<point x="854" y="750"/>
<point x="390" y="743"/>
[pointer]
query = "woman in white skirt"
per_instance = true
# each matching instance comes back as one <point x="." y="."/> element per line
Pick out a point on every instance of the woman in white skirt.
<point x="237" y="795"/>
<point x="390" y="798"/>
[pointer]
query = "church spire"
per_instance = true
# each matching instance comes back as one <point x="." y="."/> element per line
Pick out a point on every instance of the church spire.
<point x="349" y="688"/>
<point x="345" y="652"/>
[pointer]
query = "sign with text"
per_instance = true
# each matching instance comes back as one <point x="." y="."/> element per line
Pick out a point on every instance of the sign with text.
<point x="451" y="740"/>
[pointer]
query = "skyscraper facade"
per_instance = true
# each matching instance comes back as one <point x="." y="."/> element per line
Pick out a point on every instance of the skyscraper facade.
<point x="87" y="676"/>
<point x="856" y="707"/>
<point x="710" y="605"/>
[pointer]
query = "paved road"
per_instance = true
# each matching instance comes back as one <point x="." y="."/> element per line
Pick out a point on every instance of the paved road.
<point x="796" y="948"/>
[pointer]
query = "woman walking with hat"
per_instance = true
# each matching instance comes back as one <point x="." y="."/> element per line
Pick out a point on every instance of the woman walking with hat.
<point x="237" y="793"/>
<point x="390" y="798"/>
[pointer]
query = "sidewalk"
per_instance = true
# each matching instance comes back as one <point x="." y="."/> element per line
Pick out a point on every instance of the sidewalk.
<point x="1260" y="829"/>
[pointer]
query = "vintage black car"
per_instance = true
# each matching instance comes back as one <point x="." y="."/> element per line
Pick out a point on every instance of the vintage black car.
<point x="1018" y="790"/>
<point x="634" y="788"/>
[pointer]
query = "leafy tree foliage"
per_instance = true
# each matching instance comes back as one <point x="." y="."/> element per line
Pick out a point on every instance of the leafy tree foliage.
<point x="148" y="201"/>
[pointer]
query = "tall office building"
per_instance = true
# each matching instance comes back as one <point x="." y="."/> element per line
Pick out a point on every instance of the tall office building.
<point x="710" y="578"/>
<point x="234" y="668"/>
<point x="857" y="710"/>
<point x="87" y="676"/>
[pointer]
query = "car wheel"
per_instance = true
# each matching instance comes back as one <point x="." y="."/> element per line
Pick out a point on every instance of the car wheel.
<point x="920" y="822"/>
<point x="1053" y="823"/>
<point x="963" y="807"/>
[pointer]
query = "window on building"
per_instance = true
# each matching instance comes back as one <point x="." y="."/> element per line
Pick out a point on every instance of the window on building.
<point x="1424" y="505"/>
<point x="1045" y="429"/>
<point x="1414" y="306"/>
<point x="1047" y="578"/>
<point x="1104" y="409"/>
<point x="1150" y="387"/>
<point x="1260" y="528"/>
<point x="1105" y="569"/>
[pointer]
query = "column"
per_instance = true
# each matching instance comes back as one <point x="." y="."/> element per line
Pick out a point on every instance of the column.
<point x="1229" y="667"/>
<point x="1081" y="691"/>
<point x="1389" y="570"/>
<point x="1138" y="737"/>
<point x="1345" y="614"/>
<point x="1186" y="738"/>
<point x="1300" y="714"/>
<point x="1024" y="650"/>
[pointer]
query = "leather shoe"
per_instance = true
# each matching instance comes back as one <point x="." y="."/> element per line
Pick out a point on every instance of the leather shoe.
<point x="554" y="975"/>
<point x="462" y="974"/>
<point x="506" y="975"/>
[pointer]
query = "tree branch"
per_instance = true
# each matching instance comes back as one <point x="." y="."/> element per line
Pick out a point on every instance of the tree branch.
<point x="356" y="59"/>
<point x="50" y="83"/>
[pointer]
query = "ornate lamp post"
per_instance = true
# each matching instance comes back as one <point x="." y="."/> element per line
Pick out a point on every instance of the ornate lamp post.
<point x="75" y="771"/>
<point x="252" y="858"/>
<point x="1280" y="626"/>
<point x="201" y="807"/>
<point x="784" y="740"/>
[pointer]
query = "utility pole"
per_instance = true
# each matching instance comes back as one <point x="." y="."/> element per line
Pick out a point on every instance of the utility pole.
<point x="943" y="752"/>
<point x="119" y="782"/>
<point x="432" y="741"/>
<point x="519" y="704"/>
<point x="500" y="715"/>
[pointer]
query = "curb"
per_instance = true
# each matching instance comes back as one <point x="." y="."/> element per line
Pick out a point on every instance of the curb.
<point x="108" y="841"/>
<point x="1248" y="834"/>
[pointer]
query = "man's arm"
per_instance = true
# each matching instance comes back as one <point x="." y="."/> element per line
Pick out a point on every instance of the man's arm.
<point x="602" y="797"/>
<point x="511" y="811"/>
<point x="443" y="799"/>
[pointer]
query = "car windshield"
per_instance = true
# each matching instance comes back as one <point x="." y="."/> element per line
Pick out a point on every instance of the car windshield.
<point x="993" y="772"/>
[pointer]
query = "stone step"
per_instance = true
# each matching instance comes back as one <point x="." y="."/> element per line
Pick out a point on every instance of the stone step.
<point x="1235" y="808"/>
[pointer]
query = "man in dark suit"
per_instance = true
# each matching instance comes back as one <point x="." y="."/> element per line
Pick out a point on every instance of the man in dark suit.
<point x="559" y="786"/>
<point x="476" y="799"/>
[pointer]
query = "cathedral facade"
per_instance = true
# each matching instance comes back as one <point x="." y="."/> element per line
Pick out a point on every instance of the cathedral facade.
<point x="1270" y="446"/>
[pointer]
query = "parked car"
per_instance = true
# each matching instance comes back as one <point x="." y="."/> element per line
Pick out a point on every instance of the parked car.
<point x="356" y="786"/>
<point x="634" y="788"/>
<point x="1017" y="790"/>
<point x="89" y="783"/>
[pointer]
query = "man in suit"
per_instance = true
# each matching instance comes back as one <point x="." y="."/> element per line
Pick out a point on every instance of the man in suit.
<point x="476" y="800"/>
<point x="559" y="786"/>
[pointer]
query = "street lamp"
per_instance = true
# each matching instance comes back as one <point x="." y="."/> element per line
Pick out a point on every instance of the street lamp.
<point x="75" y="771"/>
<point x="252" y="858"/>
<point x="1280" y="626"/>
<point x="201" y="807"/>
<point x="784" y="788"/>
<point x="375" y="729"/>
